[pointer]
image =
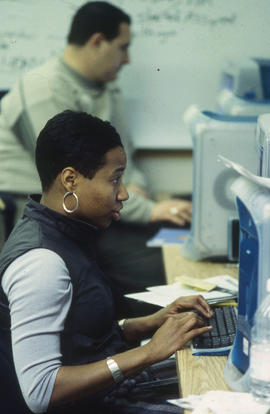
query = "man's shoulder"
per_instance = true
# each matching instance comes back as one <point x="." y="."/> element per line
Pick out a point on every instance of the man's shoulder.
<point x="52" y="63"/>
<point x="48" y="70"/>
<point x="42" y="82"/>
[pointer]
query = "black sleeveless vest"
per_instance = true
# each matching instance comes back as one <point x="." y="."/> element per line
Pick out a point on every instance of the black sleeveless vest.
<point x="91" y="332"/>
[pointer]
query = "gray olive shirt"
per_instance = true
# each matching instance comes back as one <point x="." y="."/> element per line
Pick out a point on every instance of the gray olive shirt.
<point x="36" y="97"/>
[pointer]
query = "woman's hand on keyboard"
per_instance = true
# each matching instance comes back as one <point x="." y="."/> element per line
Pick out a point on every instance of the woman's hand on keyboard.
<point x="182" y="304"/>
<point x="175" y="333"/>
<point x="196" y="302"/>
<point x="143" y="327"/>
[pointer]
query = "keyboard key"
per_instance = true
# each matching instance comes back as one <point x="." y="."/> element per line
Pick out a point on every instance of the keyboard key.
<point x="216" y="341"/>
<point x="224" y="327"/>
<point x="220" y="321"/>
<point x="224" y="341"/>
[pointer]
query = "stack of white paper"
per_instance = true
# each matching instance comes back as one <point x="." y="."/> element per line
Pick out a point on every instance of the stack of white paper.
<point x="165" y="294"/>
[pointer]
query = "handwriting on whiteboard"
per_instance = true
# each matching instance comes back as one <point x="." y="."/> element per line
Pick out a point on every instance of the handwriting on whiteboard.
<point x="31" y="31"/>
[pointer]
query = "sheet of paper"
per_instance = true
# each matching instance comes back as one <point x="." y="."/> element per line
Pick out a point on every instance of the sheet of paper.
<point x="163" y="295"/>
<point x="196" y="283"/>
<point x="175" y="290"/>
<point x="222" y="402"/>
<point x="226" y="402"/>
<point x="189" y="403"/>
<point x="224" y="281"/>
<point x="264" y="181"/>
<point x="149" y="297"/>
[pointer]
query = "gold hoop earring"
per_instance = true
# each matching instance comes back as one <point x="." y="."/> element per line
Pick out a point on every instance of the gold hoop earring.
<point x="77" y="202"/>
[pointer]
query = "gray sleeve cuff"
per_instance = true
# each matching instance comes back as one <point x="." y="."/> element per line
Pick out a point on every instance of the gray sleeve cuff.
<point x="137" y="209"/>
<point x="136" y="177"/>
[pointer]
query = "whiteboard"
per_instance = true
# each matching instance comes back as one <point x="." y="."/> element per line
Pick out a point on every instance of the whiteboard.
<point x="178" y="47"/>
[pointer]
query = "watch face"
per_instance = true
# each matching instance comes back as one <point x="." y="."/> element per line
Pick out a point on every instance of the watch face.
<point x="122" y="323"/>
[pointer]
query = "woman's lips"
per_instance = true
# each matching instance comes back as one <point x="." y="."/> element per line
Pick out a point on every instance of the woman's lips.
<point x="116" y="215"/>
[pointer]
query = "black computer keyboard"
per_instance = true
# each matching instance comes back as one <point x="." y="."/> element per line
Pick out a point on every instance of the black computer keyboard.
<point x="220" y="339"/>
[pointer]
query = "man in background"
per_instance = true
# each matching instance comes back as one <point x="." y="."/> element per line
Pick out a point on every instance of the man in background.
<point x="83" y="79"/>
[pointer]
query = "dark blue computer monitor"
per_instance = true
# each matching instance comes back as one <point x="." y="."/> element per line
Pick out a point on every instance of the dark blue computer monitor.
<point x="253" y="204"/>
<point x="263" y="144"/>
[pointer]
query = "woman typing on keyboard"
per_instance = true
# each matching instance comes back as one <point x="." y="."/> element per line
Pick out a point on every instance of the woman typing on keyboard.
<point x="61" y="347"/>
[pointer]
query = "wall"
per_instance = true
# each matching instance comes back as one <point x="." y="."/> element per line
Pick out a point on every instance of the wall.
<point x="167" y="171"/>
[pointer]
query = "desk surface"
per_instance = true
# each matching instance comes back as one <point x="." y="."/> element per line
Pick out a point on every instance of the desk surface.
<point x="197" y="374"/>
<point x="176" y="265"/>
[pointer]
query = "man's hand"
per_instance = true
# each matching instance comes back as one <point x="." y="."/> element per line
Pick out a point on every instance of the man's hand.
<point x="176" y="211"/>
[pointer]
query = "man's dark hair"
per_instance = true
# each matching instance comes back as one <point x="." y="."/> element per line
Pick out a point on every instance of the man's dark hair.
<point x="94" y="17"/>
<point x="74" y="139"/>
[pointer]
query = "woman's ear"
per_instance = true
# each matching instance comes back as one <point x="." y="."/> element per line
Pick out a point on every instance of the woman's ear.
<point x="69" y="178"/>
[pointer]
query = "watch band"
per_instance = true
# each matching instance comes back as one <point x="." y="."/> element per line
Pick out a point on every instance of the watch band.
<point x="115" y="370"/>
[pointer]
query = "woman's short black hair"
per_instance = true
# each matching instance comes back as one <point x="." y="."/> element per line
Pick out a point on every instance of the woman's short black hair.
<point x="74" y="139"/>
<point x="94" y="17"/>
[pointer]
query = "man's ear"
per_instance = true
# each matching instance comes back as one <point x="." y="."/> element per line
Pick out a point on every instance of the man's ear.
<point x="69" y="178"/>
<point x="96" y="39"/>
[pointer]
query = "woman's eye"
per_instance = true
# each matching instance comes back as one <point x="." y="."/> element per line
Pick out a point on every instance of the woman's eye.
<point x="116" y="180"/>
